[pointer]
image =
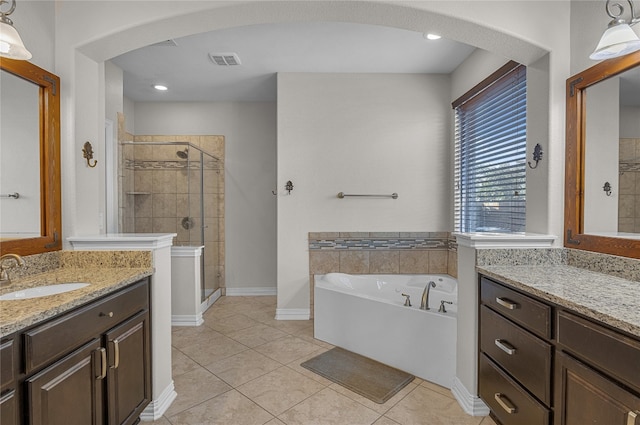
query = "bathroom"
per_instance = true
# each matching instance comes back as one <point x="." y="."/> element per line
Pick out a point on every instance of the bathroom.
<point x="256" y="221"/>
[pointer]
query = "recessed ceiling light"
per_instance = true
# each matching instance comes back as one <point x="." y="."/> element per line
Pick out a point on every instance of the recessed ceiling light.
<point x="432" y="36"/>
<point x="160" y="87"/>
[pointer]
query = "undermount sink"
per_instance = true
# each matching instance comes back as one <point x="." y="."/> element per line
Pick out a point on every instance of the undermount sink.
<point x="42" y="291"/>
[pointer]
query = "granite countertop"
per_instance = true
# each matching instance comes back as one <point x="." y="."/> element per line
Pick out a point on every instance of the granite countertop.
<point x="19" y="314"/>
<point x="602" y="297"/>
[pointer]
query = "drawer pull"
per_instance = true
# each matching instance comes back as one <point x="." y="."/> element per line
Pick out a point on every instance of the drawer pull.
<point x="109" y="314"/>
<point x="116" y="354"/>
<point x="103" y="363"/>
<point x="505" y="403"/>
<point x="507" y="303"/>
<point x="632" y="416"/>
<point x="505" y="346"/>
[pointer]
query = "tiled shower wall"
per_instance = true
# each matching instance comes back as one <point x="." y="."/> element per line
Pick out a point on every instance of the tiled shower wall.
<point x="382" y="253"/>
<point x="629" y="196"/>
<point x="154" y="199"/>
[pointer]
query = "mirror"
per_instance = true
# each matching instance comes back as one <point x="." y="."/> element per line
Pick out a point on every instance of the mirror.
<point x="30" y="201"/>
<point x="602" y="140"/>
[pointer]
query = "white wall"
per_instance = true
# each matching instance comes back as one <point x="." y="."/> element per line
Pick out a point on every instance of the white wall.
<point x="250" y="176"/>
<point x="361" y="134"/>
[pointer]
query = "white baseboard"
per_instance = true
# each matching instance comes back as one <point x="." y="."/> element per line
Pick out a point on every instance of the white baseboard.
<point x="251" y="292"/>
<point x="293" y="313"/>
<point x="158" y="407"/>
<point x="187" y="320"/>
<point x="209" y="301"/>
<point x="471" y="404"/>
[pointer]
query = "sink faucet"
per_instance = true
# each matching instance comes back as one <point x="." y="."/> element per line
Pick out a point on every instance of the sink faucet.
<point x="424" y="303"/>
<point x="17" y="262"/>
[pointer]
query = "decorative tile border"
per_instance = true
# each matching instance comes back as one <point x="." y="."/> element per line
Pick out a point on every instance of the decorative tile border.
<point x="381" y="241"/>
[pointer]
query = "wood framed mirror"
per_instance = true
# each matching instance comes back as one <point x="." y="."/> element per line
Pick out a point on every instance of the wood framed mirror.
<point x="30" y="195"/>
<point x="597" y="192"/>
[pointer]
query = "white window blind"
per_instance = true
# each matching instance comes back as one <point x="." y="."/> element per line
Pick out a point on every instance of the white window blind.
<point x="490" y="154"/>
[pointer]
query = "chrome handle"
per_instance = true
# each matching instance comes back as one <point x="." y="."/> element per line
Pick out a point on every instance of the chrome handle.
<point x="632" y="416"/>
<point x="505" y="403"/>
<point x="103" y="363"/>
<point x="103" y="314"/>
<point x="407" y="300"/>
<point x="116" y="354"/>
<point x="505" y="346"/>
<point x="504" y="302"/>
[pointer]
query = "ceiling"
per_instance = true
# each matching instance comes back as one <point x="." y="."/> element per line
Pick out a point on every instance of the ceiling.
<point x="184" y="66"/>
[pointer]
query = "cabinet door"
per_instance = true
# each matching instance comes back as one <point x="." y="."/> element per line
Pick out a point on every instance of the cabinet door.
<point x="69" y="392"/>
<point x="583" y="396"/>
<point x="129" y="376"/>
<point x="9" y="408"/>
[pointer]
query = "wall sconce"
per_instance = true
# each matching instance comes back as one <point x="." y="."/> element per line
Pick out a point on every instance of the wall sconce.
<point x="288" y="187"/>
<point x="619" y="39"/>
<point x="607" y="188"/>
<point x="537" y="156"/>
<point x="11" y="45"/>
<point x="87" y="153"/>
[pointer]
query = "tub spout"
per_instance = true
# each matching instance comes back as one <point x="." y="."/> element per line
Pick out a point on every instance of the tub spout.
<point x="424" y="302"/>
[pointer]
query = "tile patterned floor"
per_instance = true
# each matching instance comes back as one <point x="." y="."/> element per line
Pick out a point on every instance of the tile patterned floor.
<point x="242" y="367"/>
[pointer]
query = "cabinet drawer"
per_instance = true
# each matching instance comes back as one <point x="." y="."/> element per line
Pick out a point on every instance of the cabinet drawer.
<point x="530" y="313"/>
<point x="9" y="408"/>
<point x="47" y="342"/>
<point x="524" y="356"/>
<point x="613" y="353"/>
<point x="7" y="364"/>
<point x="508" y="402"/>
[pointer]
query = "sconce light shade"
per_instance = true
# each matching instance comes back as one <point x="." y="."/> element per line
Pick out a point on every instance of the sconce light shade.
<point x="11" y="45"/>
<point x="617" y="40"/>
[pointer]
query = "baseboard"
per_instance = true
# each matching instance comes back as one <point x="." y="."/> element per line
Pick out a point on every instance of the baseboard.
<point x="187" y="320"/>
<point x="209" y="301"/>
<point x="251" y="292"/>
<point x="158" y="407"/>
<point x="471" y="404"/>
<point x="293" y="313"/>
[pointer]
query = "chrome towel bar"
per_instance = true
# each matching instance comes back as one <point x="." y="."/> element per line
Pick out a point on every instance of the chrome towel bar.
<point x="393" y="195"/>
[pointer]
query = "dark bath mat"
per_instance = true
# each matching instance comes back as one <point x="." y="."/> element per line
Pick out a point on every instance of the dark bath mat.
<point x="369" y="378"/>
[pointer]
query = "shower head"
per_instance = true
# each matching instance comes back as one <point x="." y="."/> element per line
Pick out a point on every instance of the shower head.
<point x="183" y="154"/>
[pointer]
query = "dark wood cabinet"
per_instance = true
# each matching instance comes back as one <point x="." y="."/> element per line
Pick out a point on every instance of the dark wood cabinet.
<point x="540" y="363"/>
<point x="587" y="397"/>
<point x="70" y="391"/>
<point x="88" y="366"/>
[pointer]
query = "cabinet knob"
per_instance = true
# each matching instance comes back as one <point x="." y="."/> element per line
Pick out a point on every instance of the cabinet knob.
<point x="102" y="314"/>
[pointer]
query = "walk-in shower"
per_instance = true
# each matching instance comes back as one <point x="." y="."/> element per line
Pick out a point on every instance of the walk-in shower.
<point x="176" y="187"/>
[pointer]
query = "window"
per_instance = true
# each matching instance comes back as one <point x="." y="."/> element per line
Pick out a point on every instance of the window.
<point x="490" y="153"/>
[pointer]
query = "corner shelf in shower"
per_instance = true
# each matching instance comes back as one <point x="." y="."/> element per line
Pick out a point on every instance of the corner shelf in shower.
<point x="138" y="193"/>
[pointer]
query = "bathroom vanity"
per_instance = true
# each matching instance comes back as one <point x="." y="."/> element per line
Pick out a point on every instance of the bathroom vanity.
<point x="81" y="357"/>
<point x="559" y="345"/>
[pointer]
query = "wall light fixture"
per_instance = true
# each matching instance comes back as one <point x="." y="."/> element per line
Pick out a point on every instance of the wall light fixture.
<point x="11" y="45"/>
<point x="619" y="39"/>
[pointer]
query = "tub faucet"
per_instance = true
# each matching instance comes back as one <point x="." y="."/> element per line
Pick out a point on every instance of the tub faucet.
<point x="424" y="303"/>
<point x="17" y="262"/>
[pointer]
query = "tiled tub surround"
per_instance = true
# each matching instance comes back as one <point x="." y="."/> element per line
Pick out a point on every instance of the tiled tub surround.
<point x="629" y="190"/>
<point x="381" y="253"/>
<point x="105" y="271"/>
<point x="602" y="287"/>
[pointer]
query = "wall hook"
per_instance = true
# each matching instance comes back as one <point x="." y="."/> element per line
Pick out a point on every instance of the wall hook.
<point x="87" y="153"/>
<point x="288" y="187"/>
<point x="274" y="193"/>
<point x="607" y="188"/>
<point x="537" y="156"/>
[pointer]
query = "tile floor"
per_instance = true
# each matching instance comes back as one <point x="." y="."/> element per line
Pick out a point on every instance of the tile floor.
<point x="243" y="367"/>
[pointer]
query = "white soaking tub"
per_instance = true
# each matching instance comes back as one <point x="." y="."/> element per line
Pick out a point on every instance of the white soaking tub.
<point x="366" y="314"/>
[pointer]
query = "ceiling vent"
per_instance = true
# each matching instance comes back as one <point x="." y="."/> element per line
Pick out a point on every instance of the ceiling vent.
<point x="166" y="43"/>
<point x="225" y="59"/>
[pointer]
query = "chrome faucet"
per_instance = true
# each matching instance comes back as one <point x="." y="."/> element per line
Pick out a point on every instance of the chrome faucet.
<point x="424" y="303"/>
<point x="17" y="262"/>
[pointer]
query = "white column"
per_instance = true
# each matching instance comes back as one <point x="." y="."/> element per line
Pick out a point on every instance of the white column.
<point x="162" y="391"/>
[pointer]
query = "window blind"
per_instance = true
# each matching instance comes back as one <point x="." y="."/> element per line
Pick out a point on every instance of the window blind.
<point x="490" y="154"/>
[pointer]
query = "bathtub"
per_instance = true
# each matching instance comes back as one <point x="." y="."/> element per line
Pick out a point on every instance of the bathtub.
<point x="366" y="314"/>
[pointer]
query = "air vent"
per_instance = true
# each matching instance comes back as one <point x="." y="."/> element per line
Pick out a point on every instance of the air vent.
<point x="166" y="43"/>
<point x="225" y="59"/>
